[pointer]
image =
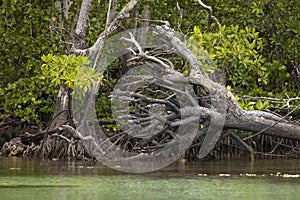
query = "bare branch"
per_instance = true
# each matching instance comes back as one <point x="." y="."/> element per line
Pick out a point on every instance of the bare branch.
<point x="210" y="16"/>
<point x="163" y="22"/>
<point x="145" y="55"/>
<point x="136" y="44"/>
<point x="111" y="12"/>
<point x="114" y="25"/>
<point x="205" y="6"/>
<point x="180" y="15"/>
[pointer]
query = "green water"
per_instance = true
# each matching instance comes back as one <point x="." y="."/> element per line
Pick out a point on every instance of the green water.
<point x="43" y="180"/>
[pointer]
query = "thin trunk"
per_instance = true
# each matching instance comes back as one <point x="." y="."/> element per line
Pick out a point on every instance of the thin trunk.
<point x="144" y="26"/>
<point x="82" y="24"/>
<point x="111" y="13"/>
<point x="62" y="113"/>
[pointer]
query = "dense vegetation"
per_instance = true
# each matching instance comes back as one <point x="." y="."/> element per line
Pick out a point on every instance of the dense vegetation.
<point x="256" y="48"/>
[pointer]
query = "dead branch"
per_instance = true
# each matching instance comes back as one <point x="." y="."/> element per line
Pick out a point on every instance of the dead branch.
<point x="210" y="15"/>
<point x="113" y="26"/>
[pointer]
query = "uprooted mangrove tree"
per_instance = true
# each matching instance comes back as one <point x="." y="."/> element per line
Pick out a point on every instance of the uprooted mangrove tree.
<point x="162" y="94"/>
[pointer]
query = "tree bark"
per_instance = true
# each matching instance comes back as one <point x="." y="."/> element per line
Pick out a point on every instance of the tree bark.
<point x="82" y="24"/>
<point x="255" y="124"/>
<point x="62" y="108"/>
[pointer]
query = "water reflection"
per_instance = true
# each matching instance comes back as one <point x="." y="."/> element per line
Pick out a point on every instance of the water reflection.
<point x="26" y="167"/>
<point x="262" y="179"/>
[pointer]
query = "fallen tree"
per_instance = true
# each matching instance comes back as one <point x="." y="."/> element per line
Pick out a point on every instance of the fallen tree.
<point x="223" y="107"/>
<point x="213" y="108"/>
<point x="237" y="118"/>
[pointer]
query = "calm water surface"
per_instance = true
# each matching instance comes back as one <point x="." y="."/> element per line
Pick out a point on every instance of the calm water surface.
<point x="42" y="180"/>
